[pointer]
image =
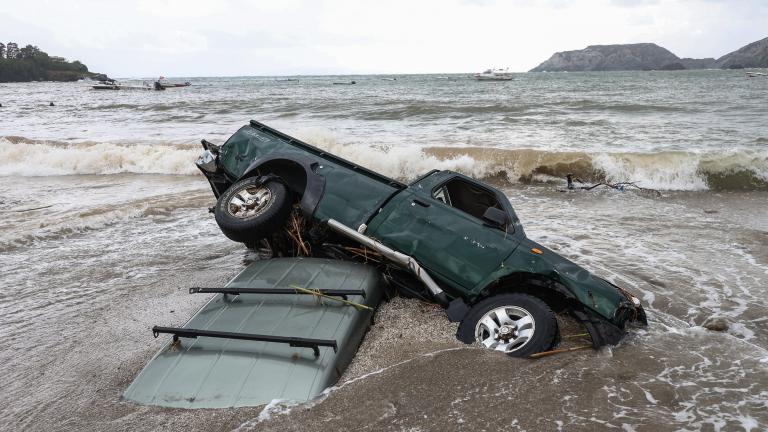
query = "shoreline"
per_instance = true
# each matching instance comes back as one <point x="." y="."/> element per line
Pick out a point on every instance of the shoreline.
<point x="96" y="256"/>
<point x="410" y="371"/>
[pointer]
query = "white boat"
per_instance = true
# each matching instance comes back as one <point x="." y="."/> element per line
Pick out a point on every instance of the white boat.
<point x="165" y="83"/>
<point x="169" y="84"/>
<point x="494" y="75"/>
<point x="756" y="74"/>
<point x="118" y="85"/>
<point x="105" y="85"/>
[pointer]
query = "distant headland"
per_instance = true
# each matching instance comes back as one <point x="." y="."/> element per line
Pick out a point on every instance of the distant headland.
<point x="649" y="56"/>
<point x="32" y="64"/>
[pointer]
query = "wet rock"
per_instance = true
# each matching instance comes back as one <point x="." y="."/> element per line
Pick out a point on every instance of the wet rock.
<point x="715" y="323"/>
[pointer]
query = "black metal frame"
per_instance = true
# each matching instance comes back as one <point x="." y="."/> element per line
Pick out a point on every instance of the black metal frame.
<point x="237" y="291"/>
<point x="292" y="341"/>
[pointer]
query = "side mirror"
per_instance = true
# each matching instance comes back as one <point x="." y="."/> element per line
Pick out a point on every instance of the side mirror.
<point x="495" y="217"/>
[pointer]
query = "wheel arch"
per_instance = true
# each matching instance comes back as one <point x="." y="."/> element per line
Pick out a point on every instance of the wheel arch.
<point x="559" y="299"/>
<point x="297" y="173"/>
<point x="554" y="294"/>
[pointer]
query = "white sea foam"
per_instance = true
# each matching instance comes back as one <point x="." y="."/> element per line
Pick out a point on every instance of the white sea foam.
<point x="395" y="161"/>
<point x="735" y="169"/>
<point x="40" y="158"/>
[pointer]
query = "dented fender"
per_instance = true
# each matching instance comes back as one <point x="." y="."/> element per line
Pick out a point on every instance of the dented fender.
<point x="298" y="173"/>
<point x="604" y="308"/>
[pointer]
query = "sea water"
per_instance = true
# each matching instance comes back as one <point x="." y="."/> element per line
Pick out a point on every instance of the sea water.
<point x="105" y="224"/>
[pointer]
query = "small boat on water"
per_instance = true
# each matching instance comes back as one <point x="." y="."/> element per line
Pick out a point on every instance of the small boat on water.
<point x="163" y="82"/>
<point x="118" y="85"/>
<point x="756" y="74"/>
<point x="105" y="85"/>
<point x="160" y="84"/>
<point x="494" y="75"/>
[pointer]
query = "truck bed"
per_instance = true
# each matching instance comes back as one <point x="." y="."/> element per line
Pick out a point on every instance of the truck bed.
<point x="350" y="193"/>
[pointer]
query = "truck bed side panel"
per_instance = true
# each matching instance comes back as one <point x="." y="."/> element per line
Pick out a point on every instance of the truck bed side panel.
<point x="351" y="192"/>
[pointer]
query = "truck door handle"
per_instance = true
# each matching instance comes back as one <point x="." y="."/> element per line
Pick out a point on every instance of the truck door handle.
<point x="421" y="203"/>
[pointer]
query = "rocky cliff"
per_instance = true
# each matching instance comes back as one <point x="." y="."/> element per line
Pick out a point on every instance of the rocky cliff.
<point x="649" y="56"/>
<point x="754" y="55"/>
<point x="641" y="56"/>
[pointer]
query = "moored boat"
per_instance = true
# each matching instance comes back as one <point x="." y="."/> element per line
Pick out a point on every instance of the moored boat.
<point x="105" y="85"/>
<point x="117" y="85"/>
<point x="494" y="75"/>
<point x="165" y="83"/>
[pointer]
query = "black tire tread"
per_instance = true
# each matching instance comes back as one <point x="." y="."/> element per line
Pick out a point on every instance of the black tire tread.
<point x="248" y="231"/>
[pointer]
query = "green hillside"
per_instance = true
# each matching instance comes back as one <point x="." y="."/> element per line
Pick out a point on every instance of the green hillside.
<point x="32" y="64"/>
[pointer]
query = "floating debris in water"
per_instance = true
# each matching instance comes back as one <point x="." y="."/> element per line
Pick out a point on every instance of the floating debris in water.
<point x="620" y="186"/>
<point x="715" y="323"/>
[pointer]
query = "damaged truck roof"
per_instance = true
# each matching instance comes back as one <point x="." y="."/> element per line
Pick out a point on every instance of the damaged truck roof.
<point x="213" y="372"/>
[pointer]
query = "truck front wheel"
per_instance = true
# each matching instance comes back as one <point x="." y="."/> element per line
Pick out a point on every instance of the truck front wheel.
<point x="250" y="210"/>
<point x="516" y="324"/>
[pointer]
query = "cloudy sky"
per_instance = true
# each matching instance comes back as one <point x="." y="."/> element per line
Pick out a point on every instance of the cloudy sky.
<point x="132" y="38"/>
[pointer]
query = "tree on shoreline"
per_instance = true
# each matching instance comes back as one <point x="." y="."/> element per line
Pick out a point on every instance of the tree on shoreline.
<point x="11" y="50"/>
<point x="30" y="63"/>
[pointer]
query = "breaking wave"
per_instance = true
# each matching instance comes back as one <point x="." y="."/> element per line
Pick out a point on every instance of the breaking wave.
<point x="735" y="170"/>
<point x="24" y="157"/>
<point x="738" y="170"/>
<point x="670" y="170"/>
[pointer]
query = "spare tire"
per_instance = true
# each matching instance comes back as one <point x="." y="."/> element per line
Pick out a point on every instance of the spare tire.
<point x="250" y="210"/>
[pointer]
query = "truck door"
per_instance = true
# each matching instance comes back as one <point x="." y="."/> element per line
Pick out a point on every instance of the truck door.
<point x="445" y="231"/>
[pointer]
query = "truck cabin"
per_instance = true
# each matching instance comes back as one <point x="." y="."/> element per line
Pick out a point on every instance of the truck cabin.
<point x="473" y="198"/>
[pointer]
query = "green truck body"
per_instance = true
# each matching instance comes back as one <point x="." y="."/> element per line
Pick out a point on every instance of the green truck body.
<point x="467" y="255"/>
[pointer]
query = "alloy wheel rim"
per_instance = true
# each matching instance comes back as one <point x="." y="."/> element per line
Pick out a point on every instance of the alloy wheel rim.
<point x="249" y="201"/>
<point x="506" y="329"/>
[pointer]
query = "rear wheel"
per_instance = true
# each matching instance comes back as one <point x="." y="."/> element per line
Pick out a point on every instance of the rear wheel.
<point x="250" y="210"/>
<point x="516" y="324"/>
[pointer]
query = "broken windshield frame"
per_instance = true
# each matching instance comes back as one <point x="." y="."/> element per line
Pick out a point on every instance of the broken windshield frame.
<point x="509" y="228"/>
<point x="423" y="177"/>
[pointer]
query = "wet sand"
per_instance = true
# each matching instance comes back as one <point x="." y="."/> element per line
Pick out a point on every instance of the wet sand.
<point x="103" y="227"/>
<point x="410" y="374"/>
<point x="473" y="389"/>
<point x="80" y="389"/>
<point x="76" y="326"/>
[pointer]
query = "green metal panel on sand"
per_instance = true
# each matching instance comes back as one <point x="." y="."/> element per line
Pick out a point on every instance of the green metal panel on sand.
<point x="217" y="373"/>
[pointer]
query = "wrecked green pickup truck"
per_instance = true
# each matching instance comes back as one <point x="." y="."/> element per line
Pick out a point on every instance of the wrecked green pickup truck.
<point x="445" y="238"/>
